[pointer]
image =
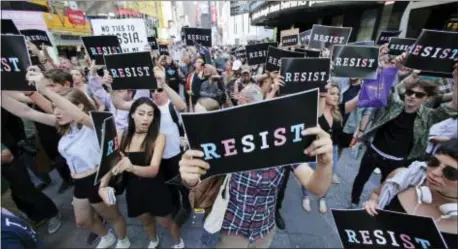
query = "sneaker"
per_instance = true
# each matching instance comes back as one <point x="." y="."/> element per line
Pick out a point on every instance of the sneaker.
<point x="54" y="224"/>
<point x="63" y="187"/>
<point x="306" y="204"/>
<point x="123" y="243"/>
<point x="323" y="206"/>
<point x="154" y="244"/>
<point x="179" y="245"/>
<point x="377" y="171"/>
<point x="107" y="240"/>
<point x="91" y="238"/>
<point x="335" y="179"/>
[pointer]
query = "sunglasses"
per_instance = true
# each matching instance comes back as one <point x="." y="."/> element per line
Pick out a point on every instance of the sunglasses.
<point x="159" y="90"/>
<point x="410" y="92"/>
<point x="449" y="172"/>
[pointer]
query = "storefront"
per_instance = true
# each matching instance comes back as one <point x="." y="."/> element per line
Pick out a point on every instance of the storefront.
<point x="367" y="18"/>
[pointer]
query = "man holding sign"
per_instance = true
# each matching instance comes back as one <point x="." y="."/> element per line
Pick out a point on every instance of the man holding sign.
<point x="251" y="191"/>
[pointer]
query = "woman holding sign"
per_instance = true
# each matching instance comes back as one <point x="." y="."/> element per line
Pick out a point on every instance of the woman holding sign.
<point x="142" y="147"/>
<point x="80" y="148"/>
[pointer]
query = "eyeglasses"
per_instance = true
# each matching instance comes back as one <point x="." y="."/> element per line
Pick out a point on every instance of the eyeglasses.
<point x="410" y="92"/>
<point x="449" y="172"/>
<point x="159" y="90"/>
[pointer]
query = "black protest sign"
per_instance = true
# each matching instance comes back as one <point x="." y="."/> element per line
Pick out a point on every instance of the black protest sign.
<point x="152" y="42"/>
<point x="289" y="40"/>
<point x="363" y="43"/>
<point x="386" y="35"/>
<point x="257" y="53"/>
<point x="36" y="62"/>
<point x="434" y="51"/>
<point x="357" y="229"/>
<point x="398" y="46"/>
<point x="109" y="149"/>
<point x="304" y="37"/>
<point x="9" y="28"/>
<point x="201" y="36"/>
<point x="308" y="52"/>
<point x="15" y="61"/>
<point x="37" y="37"/>
<point x="355" y="61"/>
<point x="98" y="46"/>
<point x="325" y="36"/>
<point x="251" y="144"/>
<point x="131" y="71"/>
<point x="204" y="52"/>
<point x="274" y="55"/>
<point x="97" y="121"/>
<point x="301" y="74"/>
<point x="163" y="49"/>
<point x="240" y="54"/>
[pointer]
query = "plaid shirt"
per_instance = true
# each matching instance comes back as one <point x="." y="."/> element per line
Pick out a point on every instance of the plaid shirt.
<point x="252" y="200"/>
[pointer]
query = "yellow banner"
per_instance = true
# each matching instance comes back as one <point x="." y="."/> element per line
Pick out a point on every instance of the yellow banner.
<point x="62" y="24"/>
<point x="40" y="2"/>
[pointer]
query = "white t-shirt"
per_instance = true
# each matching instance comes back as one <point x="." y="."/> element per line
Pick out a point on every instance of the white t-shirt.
<point x="171" y="132"/>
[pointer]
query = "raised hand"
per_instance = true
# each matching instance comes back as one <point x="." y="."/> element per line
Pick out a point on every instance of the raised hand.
<point x="192" y="167"/>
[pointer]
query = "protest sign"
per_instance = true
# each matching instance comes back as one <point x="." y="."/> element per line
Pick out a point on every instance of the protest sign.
<point x="355" y="61"/>
<point x="388" y="229"/>
<point x="98" y="46"/>
<point x="301" y="74"/>
<point x="204" y="52"/>
<point x="308" y="52"/>
<point x="386" y="35"/>
<point x="37" y="37"/>
<point x="131" y="33"/>
<point x="163" y="49"/>
<point x="326" y="36"/>
<point x="289" y="40"/>
<point x="304" y="37"/>
<point x="434" y="51"/>
<point x="398" y="46"/>
<point x="274" y="55"/>
<point x="131" y="71"/>
<point x="97" y="119"/>
<point x="363" y="43"/>
<point x="152" y="42"/>
<point x="257" y="53"/>
<point x="240" y="54"/>
<point x="109" y="149"/>
<point x="251" y="144"/>
<point x="201" y="36"/>
<point x="9" y="28"/>
<point x="15" y="61"/>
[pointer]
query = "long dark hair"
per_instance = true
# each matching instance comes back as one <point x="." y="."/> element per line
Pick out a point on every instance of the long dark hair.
<point x="153" y="129"/>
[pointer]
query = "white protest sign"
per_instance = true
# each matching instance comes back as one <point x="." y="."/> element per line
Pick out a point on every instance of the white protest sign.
<point x="131" y="32"/>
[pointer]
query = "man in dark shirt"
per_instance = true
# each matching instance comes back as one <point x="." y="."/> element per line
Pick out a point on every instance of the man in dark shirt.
<point x="344" y="139"/>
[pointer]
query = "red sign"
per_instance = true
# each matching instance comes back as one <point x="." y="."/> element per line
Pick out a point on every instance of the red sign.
<point x="128" y="12"/>
<point x="213" y="15"/>
<point x="76" y="17"/>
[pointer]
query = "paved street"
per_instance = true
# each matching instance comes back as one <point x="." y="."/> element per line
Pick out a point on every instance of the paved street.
<point x="303" y="230"/>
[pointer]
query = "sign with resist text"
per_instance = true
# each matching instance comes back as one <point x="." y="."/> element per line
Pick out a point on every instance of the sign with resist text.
<point x="274" y="55"/>
<point x="201" y="36"/>
<point x="398" y="46"/>
<point x="14" y="63"/>
<point x="98" y="46"/>
<point x="37" y="37"/>
<point x="301" y="74"/>
<point x="355" y="61"/>
<point x="326" y="36"/>
<point x="257" y="53"/>
<point x="152" y="42"/>
<point x="386" y="35"/>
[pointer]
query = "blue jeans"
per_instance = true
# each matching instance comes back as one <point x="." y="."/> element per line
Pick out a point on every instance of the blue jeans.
<point x="313" y="165"/>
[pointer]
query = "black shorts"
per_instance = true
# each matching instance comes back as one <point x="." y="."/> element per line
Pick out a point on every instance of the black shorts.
<point x="85" y="189"/>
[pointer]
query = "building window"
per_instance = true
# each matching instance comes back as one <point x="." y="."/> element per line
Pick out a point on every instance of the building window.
<point x="366" y="27"/>
<point x="337" y="21"/>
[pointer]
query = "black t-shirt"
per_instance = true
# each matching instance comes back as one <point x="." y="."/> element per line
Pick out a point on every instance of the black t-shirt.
<point x="347" y="96"/>
<point x="395" y="138"/>
<point x="49" y="137"/>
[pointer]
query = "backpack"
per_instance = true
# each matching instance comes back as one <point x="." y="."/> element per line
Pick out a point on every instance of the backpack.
<point x="174" y="115"/>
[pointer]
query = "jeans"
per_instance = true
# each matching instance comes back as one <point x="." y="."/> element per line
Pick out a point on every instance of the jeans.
<point x="335" y="152"/>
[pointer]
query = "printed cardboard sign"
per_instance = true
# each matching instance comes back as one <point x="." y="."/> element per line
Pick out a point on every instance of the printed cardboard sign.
<point x="163" y="49"/>
<point x="109" y="149"/>
<point x="201" y="36"/>
<point x="251" y="144"/>
<point x="98" y="46"/>
<point x="9" y="28"/>
<point x="301" y="74"/>
<point x="398" y="46"/>
<point x="274" y="55"/>
<point x="386" y="230"/>
<point x="131" y="71"/>
<point x="257" y="53"/>
<point x="131" y="33"/>
<point x="15" y="61"/>
<point x="97" y="119"/>
<point x="289" y="40"/>
<point x="326" y="36"/>
<point x="434" y="51"/>
<point x="203" y="51"/>
<point x="386" y="35"/>
<point x="355" y="61"/>
<point x="152" y="42"/>
<point x="240" y="54"/>
<point x="363" y="43"/>
<point x="304" y="37"/>
<point x="37" y="37"/>
<point x="308" y="52"/>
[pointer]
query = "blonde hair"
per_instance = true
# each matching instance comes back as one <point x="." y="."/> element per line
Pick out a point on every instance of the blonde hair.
<point x="335" y="112"/>
<point x="209" y="104"/>
<point x="76" y="97"/>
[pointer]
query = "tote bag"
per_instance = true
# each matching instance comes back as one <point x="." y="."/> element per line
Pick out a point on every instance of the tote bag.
<point x="214" y="220"/>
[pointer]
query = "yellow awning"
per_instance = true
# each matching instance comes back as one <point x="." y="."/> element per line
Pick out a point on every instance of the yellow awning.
<point x="61" y="24"/>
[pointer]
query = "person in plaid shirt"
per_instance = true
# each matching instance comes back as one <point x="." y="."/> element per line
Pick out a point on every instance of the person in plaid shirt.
<point x="250" y="216"/>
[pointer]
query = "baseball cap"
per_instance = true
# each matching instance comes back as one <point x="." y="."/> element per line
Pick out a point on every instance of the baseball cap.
<point x="246" y="69"/>
<point x="236" y="65"/>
